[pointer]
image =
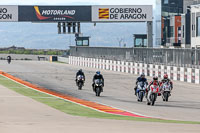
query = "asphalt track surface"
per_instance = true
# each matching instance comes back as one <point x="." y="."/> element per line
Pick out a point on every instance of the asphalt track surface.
<point x="184" y="104"/>
<point x="24" y="115"/>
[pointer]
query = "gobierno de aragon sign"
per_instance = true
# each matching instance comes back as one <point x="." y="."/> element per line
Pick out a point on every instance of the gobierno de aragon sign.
<point x="139" y="13"/>
<point x="8" y="13"/>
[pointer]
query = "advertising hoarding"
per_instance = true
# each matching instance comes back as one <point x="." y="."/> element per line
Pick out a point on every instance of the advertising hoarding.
<point x="106" y="13"/>
<point x="55" y="13"/>
<point x="8" y="13"/>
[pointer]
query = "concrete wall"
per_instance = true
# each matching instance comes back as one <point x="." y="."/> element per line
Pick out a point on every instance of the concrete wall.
<point x="23" y="57"/>
<point x="189" y="75"/>
<point x="102" y="52"/>
<point x="63" y="59"/>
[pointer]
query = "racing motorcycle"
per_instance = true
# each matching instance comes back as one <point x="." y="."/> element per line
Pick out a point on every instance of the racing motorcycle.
<point x="9" y="59"/>
<point x="80" y="82"/>
<point x="141" y="89"/>
<point x="166" y="91"/>
<point x="98" y="86"/>
<point x="152" y="94"/>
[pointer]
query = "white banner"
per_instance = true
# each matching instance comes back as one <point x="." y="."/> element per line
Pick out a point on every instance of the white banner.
<point x="8" y="13"/>
<point x="128" y="13"/>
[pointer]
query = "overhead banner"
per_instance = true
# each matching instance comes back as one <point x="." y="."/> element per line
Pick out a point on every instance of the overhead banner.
<point x="139" y="13"/>
<point x="8" y="13"/>
<point x="55" y="13"/>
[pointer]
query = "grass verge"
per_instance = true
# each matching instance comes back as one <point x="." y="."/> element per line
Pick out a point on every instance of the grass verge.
<point x="72" y="108"/>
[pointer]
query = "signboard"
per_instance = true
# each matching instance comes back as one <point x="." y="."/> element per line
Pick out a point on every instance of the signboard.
<point x="140" y="13"/>
<point x="8" y="13"/>
<point x="55" y="13"/>
<point x="107" y="13"/>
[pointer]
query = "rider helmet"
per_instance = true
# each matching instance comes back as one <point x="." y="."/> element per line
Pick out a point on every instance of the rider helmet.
<point x="155" y="78"/>
<point x="165" y="76"/>
<point x="142" y="75"/>
<point x="98" y="72"/>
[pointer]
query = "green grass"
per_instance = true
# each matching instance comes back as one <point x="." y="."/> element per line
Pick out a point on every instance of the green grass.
<point x="72" y="108"/>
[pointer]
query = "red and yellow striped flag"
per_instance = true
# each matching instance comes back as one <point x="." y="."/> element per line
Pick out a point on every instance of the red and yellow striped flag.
<point x="103" y="13"/>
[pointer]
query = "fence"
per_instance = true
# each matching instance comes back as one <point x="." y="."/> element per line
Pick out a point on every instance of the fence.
<point x="190" y="75"/>
<point x="170" y="57"/>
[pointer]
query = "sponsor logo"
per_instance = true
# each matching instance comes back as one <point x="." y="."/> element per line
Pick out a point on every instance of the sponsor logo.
<point x="122" y="13"/>
<point x="5" y="15"/>
<point x="54" y="14"/>
<point x="103" y="13"/>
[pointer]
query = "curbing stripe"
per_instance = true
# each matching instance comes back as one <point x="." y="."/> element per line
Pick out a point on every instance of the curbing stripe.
<point x="88" y="104"/>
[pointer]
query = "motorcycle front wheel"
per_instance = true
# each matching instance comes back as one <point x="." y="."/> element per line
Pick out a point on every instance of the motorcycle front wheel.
<point x="98" y="91"/>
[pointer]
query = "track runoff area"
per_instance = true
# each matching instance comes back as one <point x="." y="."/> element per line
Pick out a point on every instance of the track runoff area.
<point x="58" y="80"/>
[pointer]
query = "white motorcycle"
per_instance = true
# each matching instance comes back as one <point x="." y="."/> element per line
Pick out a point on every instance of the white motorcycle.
<point x="141" y="90"/>
<point x="166" y="91"/>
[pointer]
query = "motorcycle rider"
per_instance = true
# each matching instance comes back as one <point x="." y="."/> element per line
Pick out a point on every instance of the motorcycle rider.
<point x="80" y="72"/>
<point x="140" y="79"/>
<point x="9" y="59"/>
<point x="98" y="75"/>
<point x="153" y="82"/>
<point x="166" y="79"/>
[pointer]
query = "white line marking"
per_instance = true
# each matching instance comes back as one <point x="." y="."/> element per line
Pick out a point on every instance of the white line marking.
<point x="82" y="104"/>
<point x="60" y="97"/>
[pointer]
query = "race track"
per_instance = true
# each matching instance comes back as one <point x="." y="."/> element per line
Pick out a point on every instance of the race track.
<point x="118" y="92"/>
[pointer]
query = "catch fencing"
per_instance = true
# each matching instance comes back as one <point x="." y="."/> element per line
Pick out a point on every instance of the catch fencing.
<point x="189" y="58"/>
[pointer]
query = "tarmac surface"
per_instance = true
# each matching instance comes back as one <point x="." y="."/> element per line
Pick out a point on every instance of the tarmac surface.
<point x="20" y="114"/>
<point x="184" y="104"/>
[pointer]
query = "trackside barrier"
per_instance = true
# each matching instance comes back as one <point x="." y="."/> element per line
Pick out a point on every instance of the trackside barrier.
<point x="127" y="67"/>
<point x="122" y="66"/>
<point x="182" y="73"/>
<point x="197" y="76"/>
<point x="141" y="68"/>
<point x="136" y="69"/>
<point x="131" y="68"/>
<point x="189" y="75"/>
<point x="175" y="74"/>
<point x="151" y="70"/>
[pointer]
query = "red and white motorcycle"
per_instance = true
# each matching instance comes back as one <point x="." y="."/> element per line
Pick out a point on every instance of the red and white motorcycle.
<point x="152" y="94"/>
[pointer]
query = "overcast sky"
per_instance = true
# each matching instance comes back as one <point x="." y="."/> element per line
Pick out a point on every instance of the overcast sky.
<point x="77" y="2"/>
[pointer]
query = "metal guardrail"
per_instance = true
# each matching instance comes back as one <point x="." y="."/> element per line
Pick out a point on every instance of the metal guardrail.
<point x="173" y="57"/>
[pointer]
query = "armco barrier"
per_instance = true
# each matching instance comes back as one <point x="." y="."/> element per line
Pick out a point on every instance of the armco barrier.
<point x="175" y="73"/>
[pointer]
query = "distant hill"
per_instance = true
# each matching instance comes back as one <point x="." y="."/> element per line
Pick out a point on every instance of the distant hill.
<point x="44" y="36"/>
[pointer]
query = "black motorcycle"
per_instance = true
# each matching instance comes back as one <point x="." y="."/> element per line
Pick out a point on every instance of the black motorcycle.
<point x="9" y="59"/>
<point x="98" y="86"/>
<point x="80" y="82"/>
